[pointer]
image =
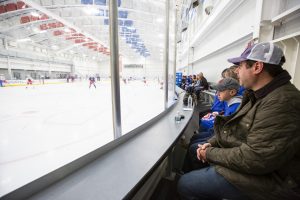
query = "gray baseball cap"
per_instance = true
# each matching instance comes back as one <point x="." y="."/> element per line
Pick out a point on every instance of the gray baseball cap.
<point x="228" y="84"/>
<point x="266" y="52"/>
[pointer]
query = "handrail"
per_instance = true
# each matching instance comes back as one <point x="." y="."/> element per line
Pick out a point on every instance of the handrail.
<point x="209" y="96"/>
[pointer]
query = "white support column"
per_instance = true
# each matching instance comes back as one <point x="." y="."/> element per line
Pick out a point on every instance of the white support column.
<point x="73" y="68"/>
<point x="258" y="15"/>
<point x="114" y="66"/>
<point x="9" y="68"/>
<point x="166" y="56"/>
<point x="175" y="45"/>
<point x="297" y="63"/>
<point x="8" y="60"/>
<point x="49" y="67"/>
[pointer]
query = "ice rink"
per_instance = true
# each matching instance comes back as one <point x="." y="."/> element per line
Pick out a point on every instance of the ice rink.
<point x="47" y="126"/>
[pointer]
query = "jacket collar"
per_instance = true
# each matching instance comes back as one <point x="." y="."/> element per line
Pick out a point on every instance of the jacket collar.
<point x="252" y="96"/>
<point x="235" y="99"/>
<point x="279" y="80"/>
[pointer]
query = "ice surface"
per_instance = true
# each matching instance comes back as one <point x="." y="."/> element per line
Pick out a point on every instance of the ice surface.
<point x="47" y="126"/>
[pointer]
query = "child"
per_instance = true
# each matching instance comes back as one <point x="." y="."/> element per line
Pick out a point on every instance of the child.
<point x="227" y="91"/>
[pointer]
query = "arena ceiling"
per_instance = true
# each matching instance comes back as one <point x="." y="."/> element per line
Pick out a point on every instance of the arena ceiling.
<point x="69" y="28"/>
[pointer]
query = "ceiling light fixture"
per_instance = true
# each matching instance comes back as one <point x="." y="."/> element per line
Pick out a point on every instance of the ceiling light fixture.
<point x="35" y="14"/>
<point x="23" y="40"/>
<point x="54" y="47"/>
<point x="67" y="30"/>
<point x="91" y="10"/>
<point x="159" y="20"/>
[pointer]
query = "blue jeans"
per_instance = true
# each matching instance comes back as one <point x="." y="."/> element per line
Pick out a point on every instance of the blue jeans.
<point x="202" y="136"/>
<point x="191" y="161"/>
<point x="207" y="184"/>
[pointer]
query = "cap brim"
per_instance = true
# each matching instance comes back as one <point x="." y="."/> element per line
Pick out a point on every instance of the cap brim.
<point x="219" y="88"/>
<point x="236" y="60"/>
<point x="213" y="87"/>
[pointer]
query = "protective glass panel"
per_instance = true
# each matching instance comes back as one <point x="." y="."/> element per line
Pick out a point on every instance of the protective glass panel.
<point x="171" y="71"/>
<point x="141" y="41"/>
<point x="56" y="99"/>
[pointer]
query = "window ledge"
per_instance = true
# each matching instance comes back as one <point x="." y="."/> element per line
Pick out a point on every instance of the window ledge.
<point x="290" y="12"/>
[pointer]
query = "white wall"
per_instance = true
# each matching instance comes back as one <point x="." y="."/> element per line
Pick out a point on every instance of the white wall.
<point x="33" y="65"/>
<point x="226" y="39"/>
<point x="104" y="68"/>
<point x="183" y="61"/>
<point x="234" y="27"/>
<point x="213" y="65"/>
<point x="151" y="68"/>
<point x="85" y="67"/>
<point x="286" y="33"/>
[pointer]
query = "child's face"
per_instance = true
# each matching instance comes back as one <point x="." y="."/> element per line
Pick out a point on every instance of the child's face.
<point x="226" y="95"/>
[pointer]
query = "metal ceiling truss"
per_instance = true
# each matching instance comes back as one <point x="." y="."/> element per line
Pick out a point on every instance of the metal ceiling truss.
<point x="56" y="33"/>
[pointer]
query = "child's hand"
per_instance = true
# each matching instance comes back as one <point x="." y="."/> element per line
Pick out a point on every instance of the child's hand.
<point x="206" y="116"/>
<point x="215" y="114"/>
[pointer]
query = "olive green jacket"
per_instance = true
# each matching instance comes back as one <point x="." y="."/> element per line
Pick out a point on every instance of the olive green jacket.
<point x="258" y="148"/>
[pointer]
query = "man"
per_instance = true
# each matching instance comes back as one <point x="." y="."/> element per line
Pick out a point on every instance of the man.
<point x="255" y="153"/>
<point x="203" y="81"/>
<point x="92" y="81"/>
<point x="28" y="81"/>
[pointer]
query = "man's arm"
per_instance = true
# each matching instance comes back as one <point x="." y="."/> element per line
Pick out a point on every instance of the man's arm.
<point x="213" y="141"/>
<point x="270" y="144"/>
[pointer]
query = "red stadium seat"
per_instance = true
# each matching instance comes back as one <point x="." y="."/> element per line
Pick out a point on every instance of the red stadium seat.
<point x="52" y="25"/>
<point x="43" y="17"/>
<point x="43" y="27"/>
<point x="10" y="7"/>
<point x="89" y="43"/>
<point x="24" y="19"/>
<point x="33" y="18"/>
<point x="21" y="5"/>
<point x="59" y="24"/>
<point x="79" y="41"/>
<point x="57" y="32"/>
<point x="2" y="9"/>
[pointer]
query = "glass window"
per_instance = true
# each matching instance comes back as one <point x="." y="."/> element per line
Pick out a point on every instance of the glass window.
<point x="60" y="106"/>
<point x="141" y="41"/>
<point x="56" y="96"/>
<point x="172" y="60"/>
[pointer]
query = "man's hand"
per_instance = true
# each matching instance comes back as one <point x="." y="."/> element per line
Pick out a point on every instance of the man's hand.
<point x="201" y="151"/>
